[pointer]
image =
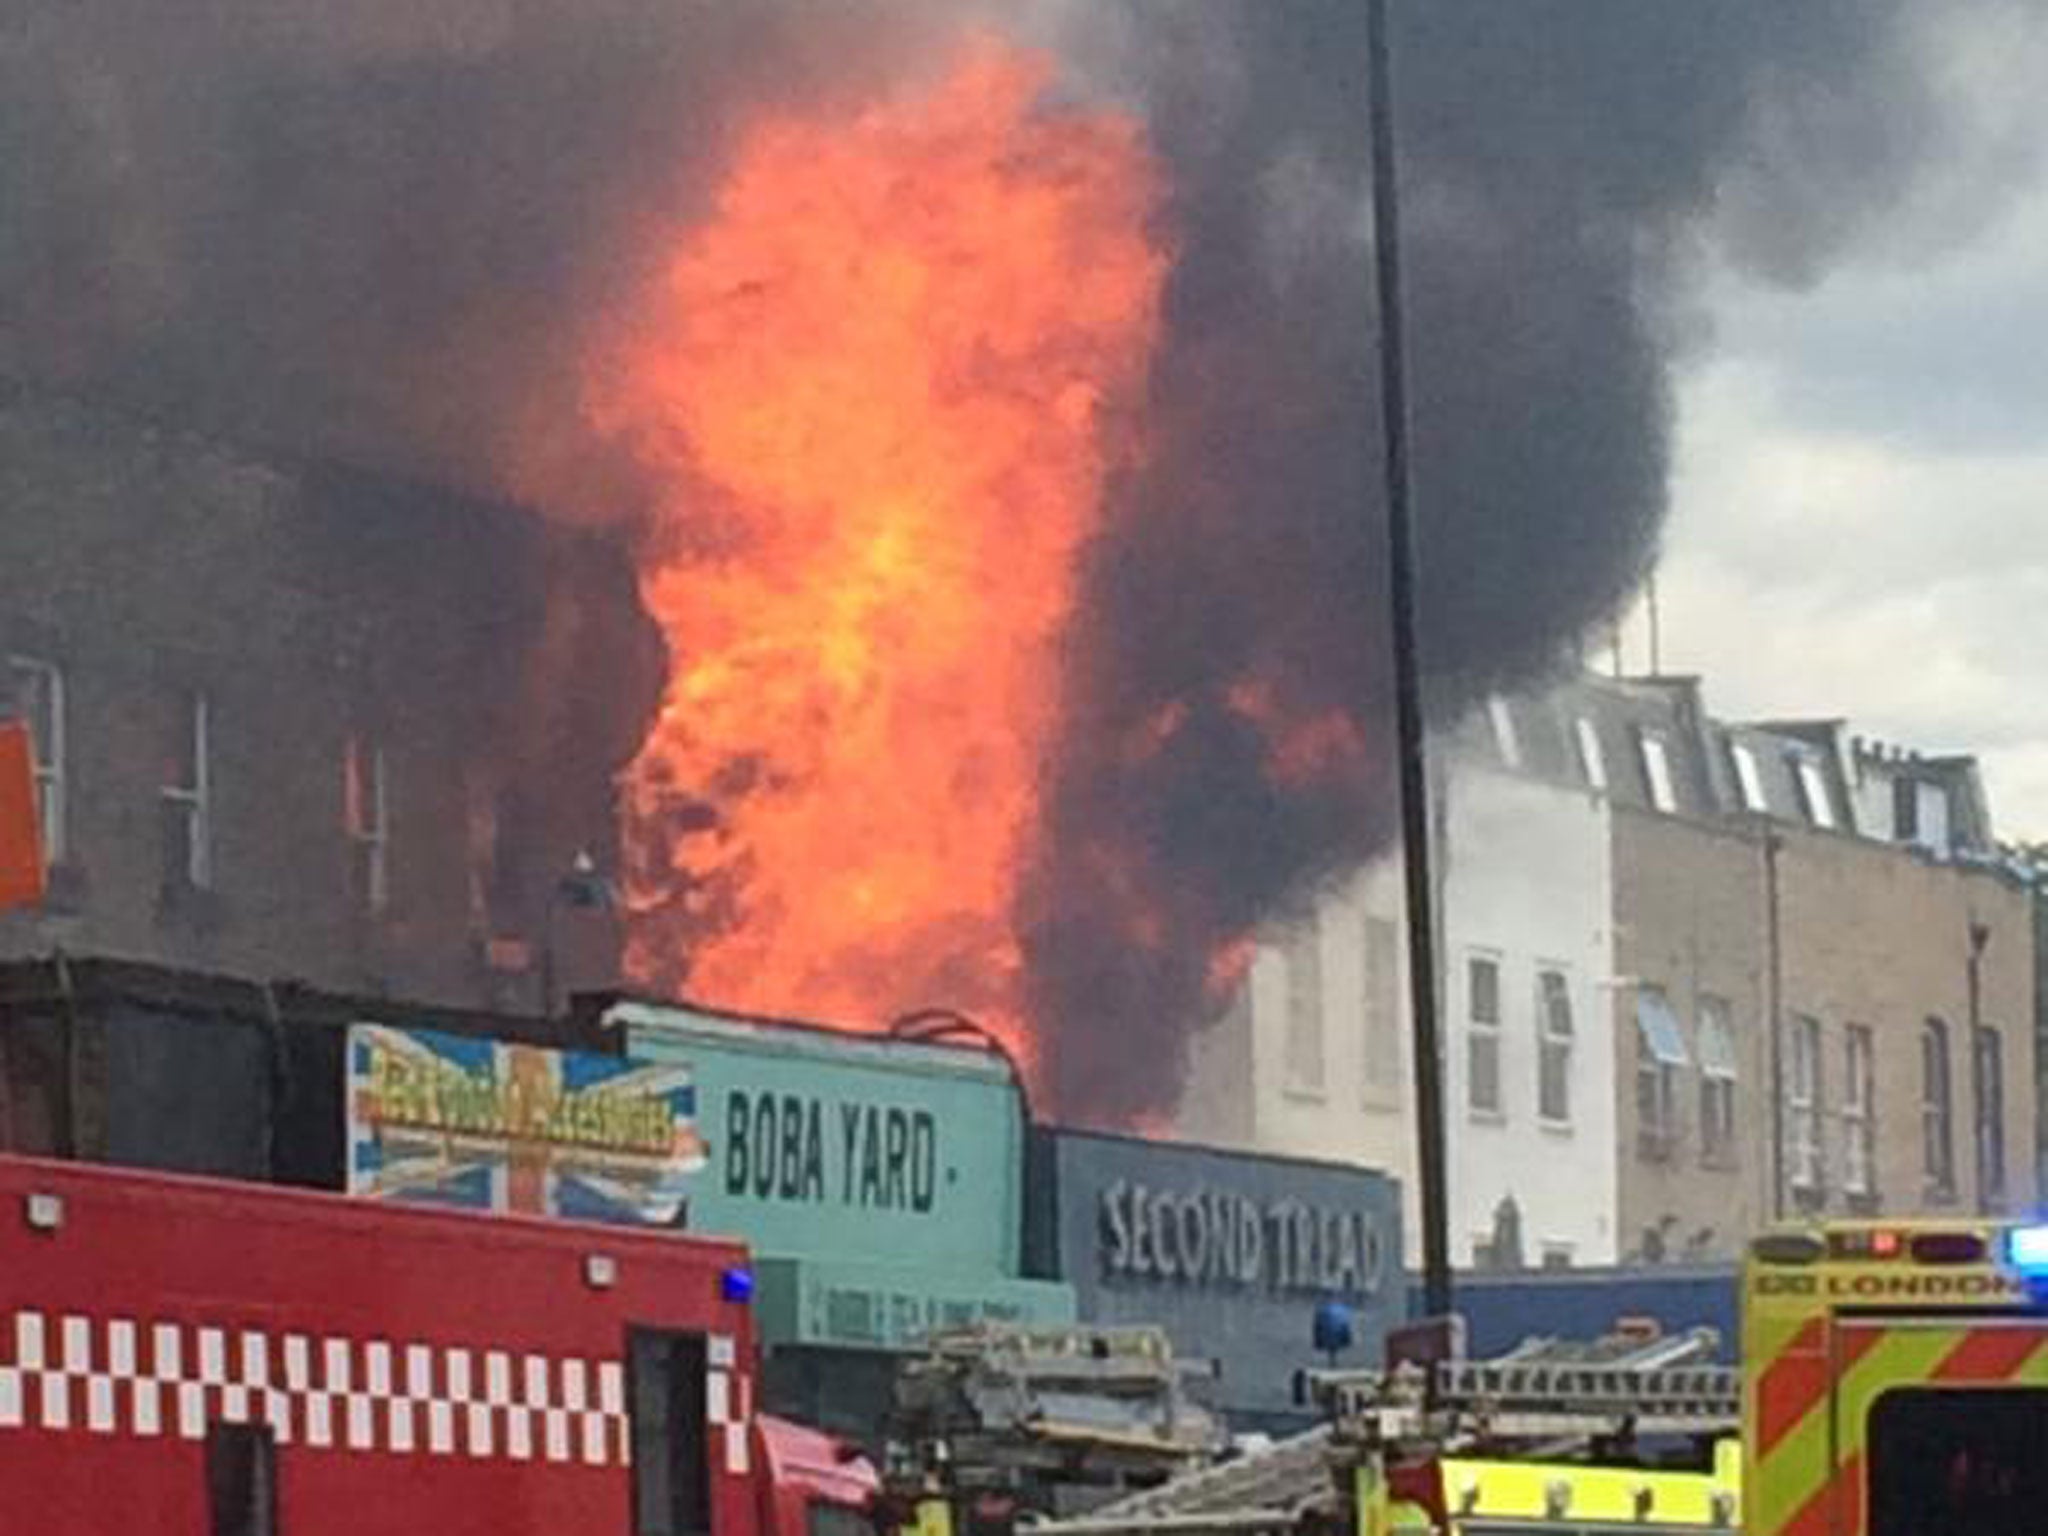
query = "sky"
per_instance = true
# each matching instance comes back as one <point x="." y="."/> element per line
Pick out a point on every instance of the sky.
<point x="1859" y="523"/>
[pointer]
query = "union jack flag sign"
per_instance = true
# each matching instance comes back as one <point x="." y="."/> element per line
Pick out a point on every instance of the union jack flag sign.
<point x="451" y="1120"/>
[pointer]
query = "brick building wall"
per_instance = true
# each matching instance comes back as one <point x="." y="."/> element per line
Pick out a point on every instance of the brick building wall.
<point x="1870" y="937"/>
<point x="1689" y="919"/>
<point x="484" y="674"/>
<point x="1880" y="938"/>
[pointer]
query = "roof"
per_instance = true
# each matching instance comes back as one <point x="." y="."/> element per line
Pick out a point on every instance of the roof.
<point x="686" y="1021"/>
<point x="1586" y="733"/>
<point x="346" y="1214"/>
<point x="91" y="982"/>
<point x="1591" y="732"/>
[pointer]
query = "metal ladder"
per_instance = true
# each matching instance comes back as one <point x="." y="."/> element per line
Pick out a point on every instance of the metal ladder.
<point x="1546" y="1390"/>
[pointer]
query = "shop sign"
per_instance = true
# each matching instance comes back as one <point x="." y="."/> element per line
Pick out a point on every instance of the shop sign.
<point x="1207" y="1237"/>
<point x="846" y="1147"/>
<point x="455" y="1120"/>
<point x="892" y="1307"/>
<point x="801" y="1148"/>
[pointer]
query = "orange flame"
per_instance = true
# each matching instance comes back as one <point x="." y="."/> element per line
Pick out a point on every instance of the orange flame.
<point x="878" y="390"/>
<point x="1303" y="748"/>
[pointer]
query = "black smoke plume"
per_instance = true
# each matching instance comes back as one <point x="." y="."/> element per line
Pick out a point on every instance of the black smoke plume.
<point x="382" y="230"/>
<point x="1562" y="162"/>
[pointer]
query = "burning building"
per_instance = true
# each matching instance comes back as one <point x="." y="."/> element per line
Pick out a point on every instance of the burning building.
<point x="299" y="721"/>
<point x="981" y="397"/>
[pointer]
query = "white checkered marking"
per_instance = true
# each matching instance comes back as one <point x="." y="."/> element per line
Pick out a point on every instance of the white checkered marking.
<point x="72" y="1372"/>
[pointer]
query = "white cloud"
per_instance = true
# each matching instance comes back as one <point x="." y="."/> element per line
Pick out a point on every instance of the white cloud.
<point x="1860" y="507"/>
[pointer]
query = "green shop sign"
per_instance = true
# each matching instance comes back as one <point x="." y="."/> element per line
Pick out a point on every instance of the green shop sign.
<point x="824" y="1145"/>
<point x="885" y="1306"/>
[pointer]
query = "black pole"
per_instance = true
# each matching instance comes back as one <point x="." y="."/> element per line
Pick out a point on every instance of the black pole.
<point x="1980" y="935"/>
<point x="1774" y="1011"/>
<point x="1408" y="714"/>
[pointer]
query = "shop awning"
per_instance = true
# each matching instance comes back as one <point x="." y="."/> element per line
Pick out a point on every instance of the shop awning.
<point x="1662" y="1035"/>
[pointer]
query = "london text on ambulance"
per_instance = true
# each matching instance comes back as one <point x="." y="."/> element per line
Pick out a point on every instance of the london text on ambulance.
<point x="1920" y="1285"/>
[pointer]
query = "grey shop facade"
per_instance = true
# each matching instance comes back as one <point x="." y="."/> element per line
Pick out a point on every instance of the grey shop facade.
<point x="1232" y="1253"/>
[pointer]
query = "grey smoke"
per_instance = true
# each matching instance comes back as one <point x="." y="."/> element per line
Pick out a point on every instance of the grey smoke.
<point x="1565" y="163"/>
<point x="381" y="230"/>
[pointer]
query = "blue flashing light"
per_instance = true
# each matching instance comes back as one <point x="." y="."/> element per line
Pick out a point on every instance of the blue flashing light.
<point x="2026" y="1249"/>
<point x="736" y="1285"/>
<point x="1334" y="1328"/>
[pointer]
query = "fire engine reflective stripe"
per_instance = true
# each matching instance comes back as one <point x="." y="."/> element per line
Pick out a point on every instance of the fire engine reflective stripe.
<point x="1813" y="1518"/>
<point x="1991" y="1354"/>
<point x="1921" y="1355"/>
<point x="1811" y="1483"/>
<point x="1849" y="1491"/>
<point x="1795" y="1380"/>
<point x="117" y="1376"/>
<point x="1799" y="1470"/>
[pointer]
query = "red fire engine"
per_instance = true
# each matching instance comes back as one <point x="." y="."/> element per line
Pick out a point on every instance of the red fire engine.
<point x="183" y="1356"/>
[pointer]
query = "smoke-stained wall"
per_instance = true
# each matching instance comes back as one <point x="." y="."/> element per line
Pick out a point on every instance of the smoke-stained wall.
<point x="310" y="606"/>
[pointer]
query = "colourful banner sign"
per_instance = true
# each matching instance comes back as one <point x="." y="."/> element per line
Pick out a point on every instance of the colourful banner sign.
<point x="459" y="1121"/>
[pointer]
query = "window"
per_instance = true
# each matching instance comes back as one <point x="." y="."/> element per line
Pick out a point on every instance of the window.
<point x="1988" y="1079"/>
<point x="667" y="1387"/>
<point x="1938" y="1154"/>
<point x="1557" y="1255"/>
<point x="1859" y="1106"/>
<point x="1554" y="1046"/>
<point x="241" y="1479"/>
<point x="1748" y="780"/>
<point x="1813" y="790"/>
<point x="1505" y="739"/>
<point x="365" y="810"/>
<point x="1931" y="816"/>
<point x="1660" y="1057"/>
<point x="1905" y="809"/>
<point x="1657" y="772"/>
<point x="1482" y="1034"/>
<point x="187" y="796"/>
<point x="1382" y="1007"/>
<point x="1717" y="1083"/>
<point x="1803" y="1152"/>
<point x="34" y="693"/>
<point x="1967" y="1458"/>
<point x="1592" y="760"/>
<point x="1304" y="960"/>
<point x="1937" y="1149"/>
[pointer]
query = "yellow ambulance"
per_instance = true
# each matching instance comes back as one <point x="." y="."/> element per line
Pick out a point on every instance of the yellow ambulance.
<point x="1896" y="1380"/>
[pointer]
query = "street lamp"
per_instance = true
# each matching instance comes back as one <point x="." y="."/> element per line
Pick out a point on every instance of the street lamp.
<point x="1432" y="1175"/>
<point x="581" y="888"/>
